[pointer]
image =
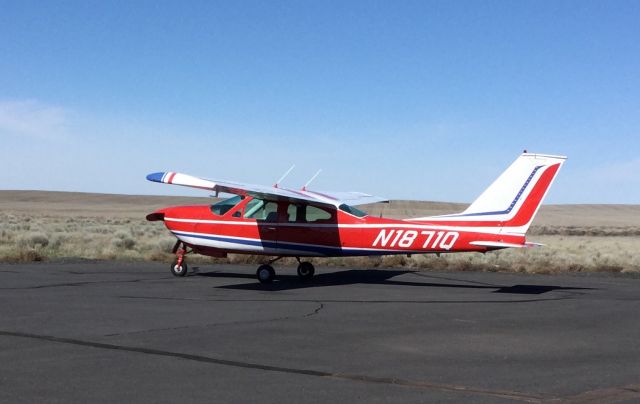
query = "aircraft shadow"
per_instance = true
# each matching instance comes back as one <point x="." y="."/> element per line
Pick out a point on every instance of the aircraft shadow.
<point x="372" y="276"/>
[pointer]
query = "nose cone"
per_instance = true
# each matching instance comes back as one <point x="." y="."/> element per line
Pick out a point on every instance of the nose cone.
<point x="156" y="216"/>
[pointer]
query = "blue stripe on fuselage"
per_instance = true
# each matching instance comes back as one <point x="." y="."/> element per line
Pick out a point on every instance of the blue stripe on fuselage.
<point x="318" y="249"/>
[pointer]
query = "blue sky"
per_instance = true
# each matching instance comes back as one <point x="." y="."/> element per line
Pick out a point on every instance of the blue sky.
<point x="408" y="100"/>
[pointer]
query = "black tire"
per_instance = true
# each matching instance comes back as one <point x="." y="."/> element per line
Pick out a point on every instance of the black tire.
<point x="306" y="270"/>
<point x="265" y="274"/>
<point x="179" y="271"/>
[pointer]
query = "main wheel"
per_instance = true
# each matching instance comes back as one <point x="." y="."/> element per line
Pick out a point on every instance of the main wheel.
<point x="179" y="270"/>
<point x="306" y="270"/>
<point x="265" y="273"/>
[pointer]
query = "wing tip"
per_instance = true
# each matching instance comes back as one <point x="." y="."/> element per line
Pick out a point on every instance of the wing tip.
<point x="155" y="177"/>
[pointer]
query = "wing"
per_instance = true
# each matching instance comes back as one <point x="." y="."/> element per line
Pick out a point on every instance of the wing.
<point x="265" y="192"/>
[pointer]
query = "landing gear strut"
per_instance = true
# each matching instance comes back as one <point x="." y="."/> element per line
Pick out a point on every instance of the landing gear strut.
<point x="179" y="266"/>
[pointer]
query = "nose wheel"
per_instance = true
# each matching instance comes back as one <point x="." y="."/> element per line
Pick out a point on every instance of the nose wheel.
<point x="179" y="269"/>
<point x="179" y="266"/>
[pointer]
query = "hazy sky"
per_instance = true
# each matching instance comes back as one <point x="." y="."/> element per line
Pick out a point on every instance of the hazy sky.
<point x="411" y="100"/>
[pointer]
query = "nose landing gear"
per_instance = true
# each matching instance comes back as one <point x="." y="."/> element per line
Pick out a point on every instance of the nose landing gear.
<point x="179" y="266"/>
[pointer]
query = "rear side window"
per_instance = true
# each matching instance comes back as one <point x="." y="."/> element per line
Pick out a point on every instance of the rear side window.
<point x="351" y="210"/>
<point x="295" y="213"/>
<point x="315" y="214"/>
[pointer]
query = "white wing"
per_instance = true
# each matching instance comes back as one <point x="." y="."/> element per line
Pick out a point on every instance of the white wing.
<point x="265" y="192"/>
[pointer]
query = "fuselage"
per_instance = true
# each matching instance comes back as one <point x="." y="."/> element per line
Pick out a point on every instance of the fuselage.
<point x="288" y="228"/>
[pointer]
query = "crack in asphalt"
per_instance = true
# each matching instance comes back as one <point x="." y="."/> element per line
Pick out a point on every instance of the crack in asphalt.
<point x="316" y="311"/>
<point x="282" y="318"/>
<point x="607" y="394"/>
<point x="514" y="395"/>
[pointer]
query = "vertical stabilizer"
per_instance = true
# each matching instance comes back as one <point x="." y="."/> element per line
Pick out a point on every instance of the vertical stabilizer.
<point x="513" y="199"/>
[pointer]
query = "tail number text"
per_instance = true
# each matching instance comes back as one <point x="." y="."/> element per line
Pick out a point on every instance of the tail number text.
<point x="429" y="239"/>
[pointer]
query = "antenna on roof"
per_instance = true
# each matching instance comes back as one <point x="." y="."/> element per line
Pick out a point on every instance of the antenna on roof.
<point x="304" y="187"/>
<point x="283" y="176"/>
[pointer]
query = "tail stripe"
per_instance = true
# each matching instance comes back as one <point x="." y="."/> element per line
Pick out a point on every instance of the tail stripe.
<point x="513" y="203"/>
<point x="538" y="172"/>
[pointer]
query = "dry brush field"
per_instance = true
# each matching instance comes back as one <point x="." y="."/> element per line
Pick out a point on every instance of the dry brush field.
<point x="37" y="225"/>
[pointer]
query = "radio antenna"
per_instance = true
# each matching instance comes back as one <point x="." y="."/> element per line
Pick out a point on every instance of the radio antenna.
<point x="283" y="176"/>
<point x="304" y="187"/>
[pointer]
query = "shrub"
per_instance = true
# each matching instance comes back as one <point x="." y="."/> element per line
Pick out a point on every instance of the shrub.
<point x="123" y="240"/>
<point x="33" y="240"/>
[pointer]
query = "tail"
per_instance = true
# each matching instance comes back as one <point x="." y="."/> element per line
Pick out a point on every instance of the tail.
<point x="513" y="200"/>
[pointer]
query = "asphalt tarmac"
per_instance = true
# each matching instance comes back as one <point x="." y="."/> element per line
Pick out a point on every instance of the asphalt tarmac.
<point x="131" y="332"/>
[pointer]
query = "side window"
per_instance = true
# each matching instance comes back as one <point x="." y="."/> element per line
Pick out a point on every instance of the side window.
<point x="314" y="214"/>
<point x="261" y="210"/>
<point x="271" y="212"/>
<point x="292" y="212"/>
<point x="295" y="213"/>
<point x="252" y="207"/>
<point x="352" y="211"/>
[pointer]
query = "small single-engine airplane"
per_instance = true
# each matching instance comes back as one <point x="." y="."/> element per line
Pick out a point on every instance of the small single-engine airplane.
<point x="281" y="222"/>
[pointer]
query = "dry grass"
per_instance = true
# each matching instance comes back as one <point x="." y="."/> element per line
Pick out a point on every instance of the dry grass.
<point x="38" y="226"/>
<point x="28" y="238"/>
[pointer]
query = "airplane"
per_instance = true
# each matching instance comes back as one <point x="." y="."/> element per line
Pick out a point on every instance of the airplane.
<point x="280" y="222"/>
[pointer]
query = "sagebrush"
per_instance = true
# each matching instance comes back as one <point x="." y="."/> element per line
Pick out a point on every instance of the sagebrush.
<point x="35" y="238"/>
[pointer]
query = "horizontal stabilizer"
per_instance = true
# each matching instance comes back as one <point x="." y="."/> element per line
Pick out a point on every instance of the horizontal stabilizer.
<point x="496" y="244"/>
<point x="499" y="244"/>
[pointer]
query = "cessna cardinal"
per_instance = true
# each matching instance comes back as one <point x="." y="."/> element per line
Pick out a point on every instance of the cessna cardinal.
<point x="281" y="222"/>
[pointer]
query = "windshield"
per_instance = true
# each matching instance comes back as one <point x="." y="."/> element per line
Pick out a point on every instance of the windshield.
<point x="351" y="210"/>
<point x="222" y="207"/>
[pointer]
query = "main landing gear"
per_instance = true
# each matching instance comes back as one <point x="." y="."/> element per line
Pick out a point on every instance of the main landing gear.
<point x="266" y="274"/>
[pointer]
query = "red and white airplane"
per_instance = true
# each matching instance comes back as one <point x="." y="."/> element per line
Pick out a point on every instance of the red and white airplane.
<point x="281" y="222"/>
